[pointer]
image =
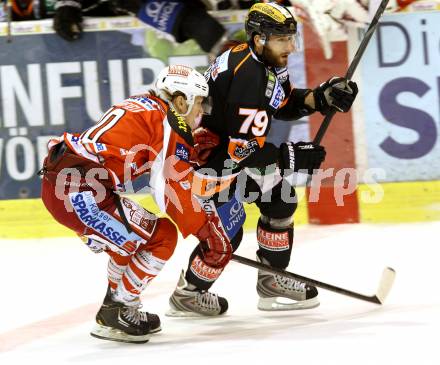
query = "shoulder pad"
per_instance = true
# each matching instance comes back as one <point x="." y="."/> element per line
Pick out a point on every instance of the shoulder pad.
<point x="140" y="103"/>
<point x="240" y="48"/>
<point x="218" y="66"/>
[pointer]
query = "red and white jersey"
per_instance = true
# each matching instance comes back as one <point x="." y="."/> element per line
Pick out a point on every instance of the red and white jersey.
<point x="143" y="135"/>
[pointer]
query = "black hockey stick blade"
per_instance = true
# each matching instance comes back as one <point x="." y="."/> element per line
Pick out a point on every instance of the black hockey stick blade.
<point x="353" y="65"/>
<point x="385" y="284"/>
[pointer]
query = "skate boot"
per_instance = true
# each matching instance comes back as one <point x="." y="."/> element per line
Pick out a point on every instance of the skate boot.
<point x="153" y="319"/>
<point x="279" y="293"/>
<point x="125" y="323"/>
<point x="187" y="301"/>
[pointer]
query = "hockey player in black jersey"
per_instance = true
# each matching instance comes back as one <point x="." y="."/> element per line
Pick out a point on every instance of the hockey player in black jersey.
<point x="249" y="84"/>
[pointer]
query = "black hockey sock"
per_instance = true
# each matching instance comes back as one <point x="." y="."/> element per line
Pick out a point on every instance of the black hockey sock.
<point x="275" y="244"/>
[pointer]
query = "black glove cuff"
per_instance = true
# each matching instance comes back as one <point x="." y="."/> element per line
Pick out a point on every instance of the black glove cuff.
<point x="298" y="97"/>
<point x="320" y="105"/>
<point x="286" y="157"/>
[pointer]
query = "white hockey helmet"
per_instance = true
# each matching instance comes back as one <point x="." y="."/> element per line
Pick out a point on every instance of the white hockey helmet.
<point x="184" y="79"/>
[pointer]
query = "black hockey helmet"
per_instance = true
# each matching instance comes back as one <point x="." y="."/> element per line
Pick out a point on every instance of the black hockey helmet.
<point x="269" y="18"/>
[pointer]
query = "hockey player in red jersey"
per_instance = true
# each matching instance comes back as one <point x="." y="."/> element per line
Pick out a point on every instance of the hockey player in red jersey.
<point x="83" y="174"/>
<point x="249" y="84"/>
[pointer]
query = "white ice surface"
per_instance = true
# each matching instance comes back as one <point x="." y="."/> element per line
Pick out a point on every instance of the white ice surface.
<point x="51" y="289"/>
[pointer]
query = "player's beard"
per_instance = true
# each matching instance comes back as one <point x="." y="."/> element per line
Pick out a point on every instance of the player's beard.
<point x="274" y="59"/>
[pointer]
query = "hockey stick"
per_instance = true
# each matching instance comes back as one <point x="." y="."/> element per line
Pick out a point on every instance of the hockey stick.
<point x="384" y="288"/>
<point x="9" y="20"/>
<point x="388" y="274"/>
<point x="353" y="65"/>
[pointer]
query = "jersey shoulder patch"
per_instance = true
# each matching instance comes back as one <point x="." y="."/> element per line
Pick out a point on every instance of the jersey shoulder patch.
<point x="218" y="66"/>
<point x="240" y="47"/>
<point x="139" y="103"/>
<point x="182" y="152"/>
<point x="282" y="74"/>
<point x="274" y="91"/>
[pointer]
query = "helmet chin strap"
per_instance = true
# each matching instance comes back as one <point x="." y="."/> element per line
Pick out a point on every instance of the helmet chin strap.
<point x="262" y="57"/>
<point x="190" y="106"/>
<point x="197" y="121"/>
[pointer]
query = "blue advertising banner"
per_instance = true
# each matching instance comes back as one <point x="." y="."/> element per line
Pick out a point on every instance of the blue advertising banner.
<point x="401" y="97"/>
<point x="49" y="86"/>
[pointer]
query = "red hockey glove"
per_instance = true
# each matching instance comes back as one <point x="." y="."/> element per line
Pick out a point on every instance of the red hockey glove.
<point x="215" y="245"/>
<point x="204" y="142"/>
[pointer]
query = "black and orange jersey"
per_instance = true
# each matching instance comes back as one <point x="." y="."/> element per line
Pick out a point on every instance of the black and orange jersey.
<point x="245" y="94"/>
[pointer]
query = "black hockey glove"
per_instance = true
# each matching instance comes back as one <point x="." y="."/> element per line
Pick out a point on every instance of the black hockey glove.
<point x="337" y="92"/>
<point x="67" y="20"/>
<point x="300" y="156"/>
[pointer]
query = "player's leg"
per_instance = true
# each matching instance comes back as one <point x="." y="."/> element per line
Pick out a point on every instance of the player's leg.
<point x="125" y="229"/>
<point x="192" y="297"/>
<point x="275" y="234"/>
<point x="131" y="244"/>
<point x="120" y="317"/>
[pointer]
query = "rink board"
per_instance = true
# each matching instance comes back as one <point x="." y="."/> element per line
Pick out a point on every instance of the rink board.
<point x="401" y="202"/>
<point x="28" y="218"/>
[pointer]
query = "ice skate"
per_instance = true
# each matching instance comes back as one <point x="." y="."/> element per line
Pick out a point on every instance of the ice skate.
<point x="186" y="302"/>
<point x="278" y="293"/>
<point x="125" y="323"/>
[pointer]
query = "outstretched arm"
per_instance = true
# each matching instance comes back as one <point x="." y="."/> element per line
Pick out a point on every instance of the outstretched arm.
<point x="336" y="92"/>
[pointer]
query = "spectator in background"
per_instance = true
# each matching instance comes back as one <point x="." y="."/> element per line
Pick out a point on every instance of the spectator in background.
<point x="68" y="16"/>
<point x="189" y="19"/>
<point x="182" y="19"/>
<point x="26" y="9"/>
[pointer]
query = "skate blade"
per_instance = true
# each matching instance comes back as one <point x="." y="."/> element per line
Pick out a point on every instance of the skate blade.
<point x="112" y="334"/>
<point x="277" y="304"/>
<point x="184" y="314"/>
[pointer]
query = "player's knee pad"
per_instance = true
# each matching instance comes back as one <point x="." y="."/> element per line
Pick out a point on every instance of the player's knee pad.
<point x="275" y="240"/>
<point x="278" y="223"/>
<point x="163" y="243"/>
<point x="281" y="203"/>
<point x="277" y="208"/>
